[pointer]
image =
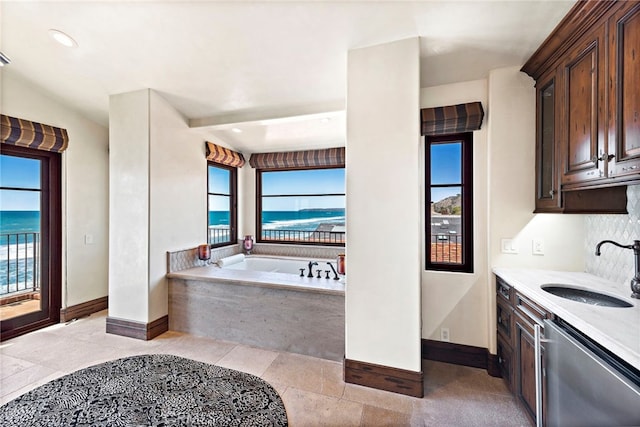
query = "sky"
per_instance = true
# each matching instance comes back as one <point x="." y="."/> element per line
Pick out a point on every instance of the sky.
<point x="25" y="173"/>
<point x="18" y="172"/>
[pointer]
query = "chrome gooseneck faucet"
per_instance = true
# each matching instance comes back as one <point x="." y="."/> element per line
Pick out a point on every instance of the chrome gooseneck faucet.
<point x="635" y="282"/>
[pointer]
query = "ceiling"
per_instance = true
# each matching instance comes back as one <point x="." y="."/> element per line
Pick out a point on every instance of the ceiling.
<point x="271" y="69"/>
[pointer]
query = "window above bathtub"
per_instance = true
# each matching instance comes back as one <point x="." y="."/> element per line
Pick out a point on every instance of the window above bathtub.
<point x="300" y="199"/>
<point x="222" y="186"/>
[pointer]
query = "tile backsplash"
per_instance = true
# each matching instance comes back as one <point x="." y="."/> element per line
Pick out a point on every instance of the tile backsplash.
<point x="615" y="264"/>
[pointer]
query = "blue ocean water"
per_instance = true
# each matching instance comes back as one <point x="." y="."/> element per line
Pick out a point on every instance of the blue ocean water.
<point x="302" y="220"/>
<point x="17" y="248"/>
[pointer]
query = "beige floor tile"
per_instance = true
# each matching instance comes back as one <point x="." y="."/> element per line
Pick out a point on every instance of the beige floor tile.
<point x="307" y="373"/>
<point x="312" y="389"/>
<point x="248" y="359"/>
<point x="11" y="365"/>
<point x="26" y="377"/>
<point x="197" y="348"/>
<point x="306" y="409"/>
<point x="373" y="416"/>
<point x="382" y="399"/>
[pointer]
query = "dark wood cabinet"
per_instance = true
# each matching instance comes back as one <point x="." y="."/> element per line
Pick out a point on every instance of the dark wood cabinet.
<point x="516" y="320"/>
<point x="588" y="107"/>
<point x="624" y="93"/>
<point x="582" y="124"/>
<point x="548" y="195"/>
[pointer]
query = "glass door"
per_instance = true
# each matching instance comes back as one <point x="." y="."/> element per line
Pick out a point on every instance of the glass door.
<point x="30" y="240"/>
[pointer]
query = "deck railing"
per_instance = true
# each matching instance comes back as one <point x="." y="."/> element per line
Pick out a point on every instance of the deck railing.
<point x="19" y="263"/>
<point x="219" y="235"/>
<point x="446" y="248"/>
<point x="323" y="237"/>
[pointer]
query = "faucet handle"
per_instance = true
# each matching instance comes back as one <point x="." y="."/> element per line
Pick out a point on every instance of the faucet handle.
<point x="301" y="272"/>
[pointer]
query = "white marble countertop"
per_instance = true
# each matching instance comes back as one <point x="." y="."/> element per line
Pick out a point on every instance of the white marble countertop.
<point x="213" y="273"/>
<point x="617" y="329"/>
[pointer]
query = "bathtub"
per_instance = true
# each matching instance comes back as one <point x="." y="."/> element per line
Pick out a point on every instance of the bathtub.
<point x="284" y="265"/>
<point x="263" y="302"/>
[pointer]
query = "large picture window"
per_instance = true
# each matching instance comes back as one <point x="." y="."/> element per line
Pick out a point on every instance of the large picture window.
<point x="301" y="206"/>
<point x="221" y="195"/>
<point x="449" y="215"/>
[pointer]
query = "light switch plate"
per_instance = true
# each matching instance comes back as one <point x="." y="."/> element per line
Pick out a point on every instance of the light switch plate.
<point x="508" y="246"/>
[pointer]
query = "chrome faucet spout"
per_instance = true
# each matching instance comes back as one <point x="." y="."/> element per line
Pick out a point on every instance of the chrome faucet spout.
<point x="635" y="282"/>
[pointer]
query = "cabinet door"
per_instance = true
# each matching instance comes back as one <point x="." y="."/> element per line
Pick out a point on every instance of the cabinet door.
<point x="548" y="196"/>
<point x="505" y="360"/>
<point x="525" y="369"/>
<point x="624" y="95"/>
<point x="582" y="118"/>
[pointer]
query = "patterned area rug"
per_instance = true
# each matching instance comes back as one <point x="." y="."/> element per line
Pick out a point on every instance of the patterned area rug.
<point x="149" y="390"/>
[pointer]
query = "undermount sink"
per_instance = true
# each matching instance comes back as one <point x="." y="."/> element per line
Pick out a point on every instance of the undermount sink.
<point x="584" y="296"/>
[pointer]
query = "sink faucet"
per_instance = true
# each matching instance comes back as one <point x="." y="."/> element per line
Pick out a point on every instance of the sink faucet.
<point x="335" y="273"/>
<point x="635" y="282"/>
<point x="311" y="264"/>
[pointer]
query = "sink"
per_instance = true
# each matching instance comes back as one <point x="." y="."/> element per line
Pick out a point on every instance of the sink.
<point x="584" y="296"/>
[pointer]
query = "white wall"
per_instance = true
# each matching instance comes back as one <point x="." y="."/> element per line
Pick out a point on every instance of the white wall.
<point x="383" y="205"/>
<point x="158" y="200"/>
<point x="85" y="185"/>
<point x="457" y="300"/>
<point x="504" y="180"/>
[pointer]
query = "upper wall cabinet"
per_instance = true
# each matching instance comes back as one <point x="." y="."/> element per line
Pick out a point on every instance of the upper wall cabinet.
<point x="588" y="107"/>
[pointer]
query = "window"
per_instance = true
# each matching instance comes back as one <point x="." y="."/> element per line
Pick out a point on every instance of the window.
<point x="449" y="188"/>
<point x="301" y="206"/>
<point x="221" y="194"/>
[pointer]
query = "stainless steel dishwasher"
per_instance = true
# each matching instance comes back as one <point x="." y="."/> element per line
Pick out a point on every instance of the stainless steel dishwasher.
<point x="585" y="384"/>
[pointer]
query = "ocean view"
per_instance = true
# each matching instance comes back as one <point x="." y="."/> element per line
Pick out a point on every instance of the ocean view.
<point x="301" y="220"/>
<point x="18" y="229"/>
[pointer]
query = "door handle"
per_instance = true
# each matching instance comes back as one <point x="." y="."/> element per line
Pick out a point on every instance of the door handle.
<point x="538" y="372"/>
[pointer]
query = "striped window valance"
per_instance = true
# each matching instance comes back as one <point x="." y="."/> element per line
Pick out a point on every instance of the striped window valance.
<point x="225" y="156"/>
<point x="25" y="133"/>
<point x="329" y="157"/>
<point x="451" y="119"/>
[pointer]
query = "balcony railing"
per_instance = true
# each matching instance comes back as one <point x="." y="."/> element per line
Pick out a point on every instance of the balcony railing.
<point x="446" y="248"/>
<point x="301" y="236"/>
<point x="219" y="235"/>
<point x="19" y="263"/>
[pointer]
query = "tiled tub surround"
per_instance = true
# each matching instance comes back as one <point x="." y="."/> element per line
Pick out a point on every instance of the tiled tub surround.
<point x="617" y="329"/>
<point x="270" y="310"/>
<point x="615" y="264"/>
<point x="188" y="258"/>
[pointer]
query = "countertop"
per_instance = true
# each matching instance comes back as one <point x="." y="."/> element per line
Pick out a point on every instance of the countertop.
<point x="212" y="273"/>
<point x="617" y="329"/>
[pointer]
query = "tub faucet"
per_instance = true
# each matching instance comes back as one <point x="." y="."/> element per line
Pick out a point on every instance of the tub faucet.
<point x="335" y="273"/>
<point x="635" y="282"/>
<point x="311" y="264"/>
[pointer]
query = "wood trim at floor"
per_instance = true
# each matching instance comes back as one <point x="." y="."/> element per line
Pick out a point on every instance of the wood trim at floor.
<point x="386" y="378"/>
<point x="83" y="309"/>
<point x="138" y="330"/>
<point x="460" y="354"/>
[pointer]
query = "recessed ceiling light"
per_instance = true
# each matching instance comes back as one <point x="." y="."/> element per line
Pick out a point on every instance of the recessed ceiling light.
<point x="236" y="130"/>
<point x="62" y="38"/>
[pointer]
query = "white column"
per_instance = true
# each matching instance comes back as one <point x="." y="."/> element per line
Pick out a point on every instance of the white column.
<point x="383" y="205"/>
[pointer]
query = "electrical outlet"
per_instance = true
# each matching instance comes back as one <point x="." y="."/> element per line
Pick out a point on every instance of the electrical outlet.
<point x="537" y="247"/>
<point x="444" y="334"/>
<point x="508" y="246"/>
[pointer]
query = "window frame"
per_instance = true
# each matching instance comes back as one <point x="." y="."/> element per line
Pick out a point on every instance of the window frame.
<point x="259" y="197"/>
<point x="466" y="185"/>
<point x="233" y="204"/>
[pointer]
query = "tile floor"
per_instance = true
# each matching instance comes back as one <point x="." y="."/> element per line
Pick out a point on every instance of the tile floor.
<point x="312" y="389"/>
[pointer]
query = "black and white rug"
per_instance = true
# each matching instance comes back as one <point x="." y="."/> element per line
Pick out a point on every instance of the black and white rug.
<point x="149" y="390"/>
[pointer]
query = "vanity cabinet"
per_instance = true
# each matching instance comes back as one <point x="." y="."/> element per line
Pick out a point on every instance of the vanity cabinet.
<point x="588" y="107"/>
<point x="516" y="320"/>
